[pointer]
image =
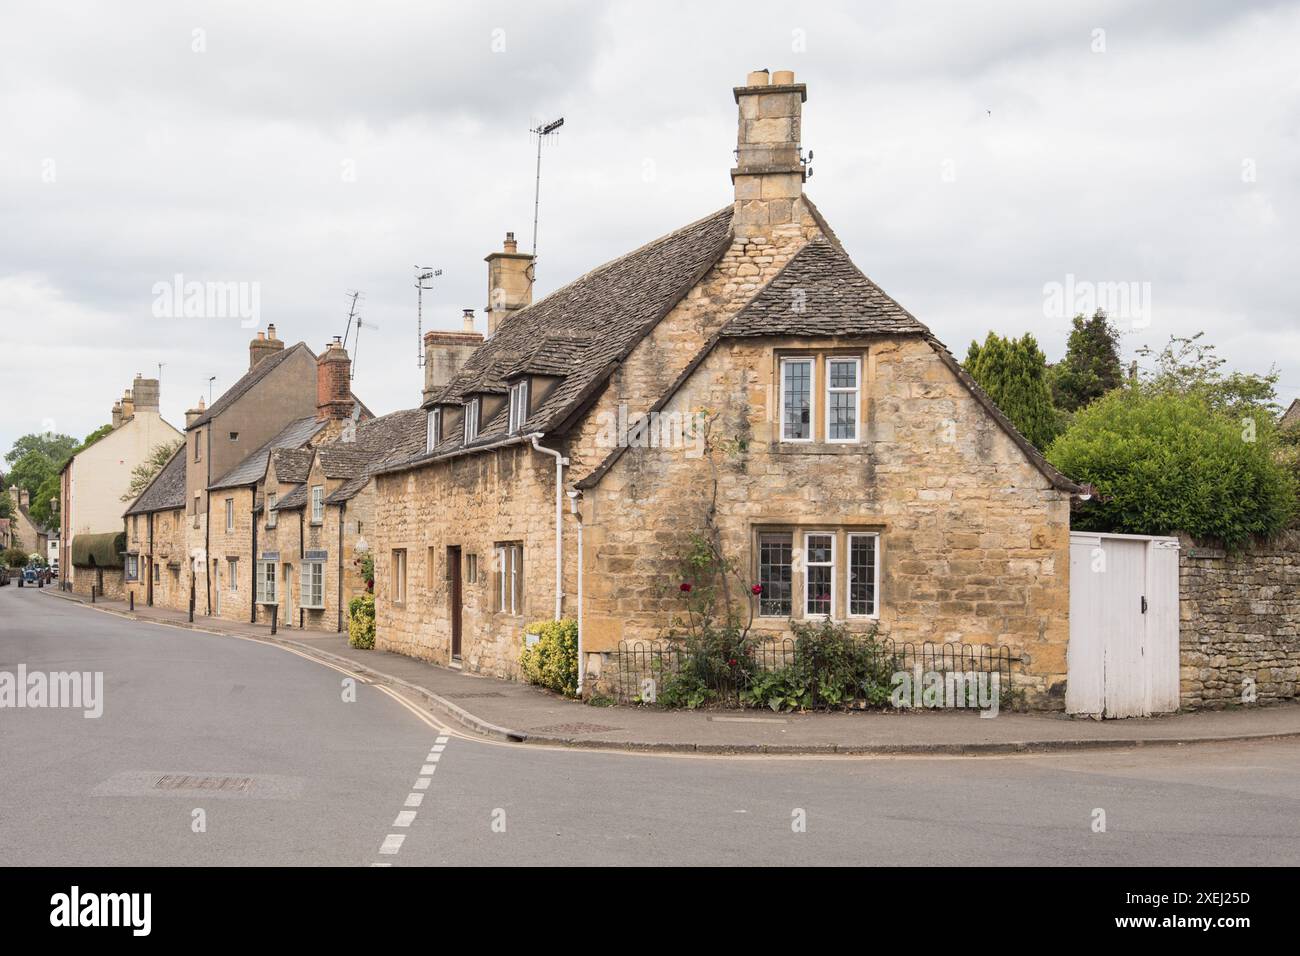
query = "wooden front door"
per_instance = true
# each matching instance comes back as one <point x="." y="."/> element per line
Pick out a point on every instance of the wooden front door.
<point x="454" y="597"/>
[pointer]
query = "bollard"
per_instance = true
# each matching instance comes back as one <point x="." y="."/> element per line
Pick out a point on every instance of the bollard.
<point x="300" y="615"/>
<point x="92" y="594"/>
<point x="191" y="607"/>
<point x="130" y="601"/>
<point x="275" y="617"/>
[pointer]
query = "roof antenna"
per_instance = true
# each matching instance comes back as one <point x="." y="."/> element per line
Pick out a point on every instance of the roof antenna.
<point x="356" y="345"/>
<point x="354" y="295"/>
<point x="541" y="132"/>
<point x="422" y="274"/>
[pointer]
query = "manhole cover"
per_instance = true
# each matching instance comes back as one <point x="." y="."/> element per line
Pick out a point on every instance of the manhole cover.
<point x="186" y="781"/>
<point x="577" y="728"/>
<point x="467" y="696"/>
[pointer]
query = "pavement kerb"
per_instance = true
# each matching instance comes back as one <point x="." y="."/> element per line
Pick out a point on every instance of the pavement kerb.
<point x="487" y="729"/>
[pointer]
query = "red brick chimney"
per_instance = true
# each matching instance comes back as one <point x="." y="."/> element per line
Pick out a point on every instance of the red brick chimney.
<point x="333" y="383"/>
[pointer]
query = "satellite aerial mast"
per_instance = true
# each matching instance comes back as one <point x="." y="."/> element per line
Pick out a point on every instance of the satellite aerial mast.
<point x="541" y="132"/>
<point x="422" y="274"/>
<point x="354" y="295"/>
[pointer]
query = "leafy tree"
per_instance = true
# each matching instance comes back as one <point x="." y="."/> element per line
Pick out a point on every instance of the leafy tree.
<point x="1014" y="373"/>
<point x="144" y="472"/>
<point x="32" y="469"/>
<point x="54" y="447"/>
<point x="1188" y="366"/>
<point x="40" y="510"/>
<point x="6" y="504"/>
<point x="1164" y="461"/>
<point x="93" y="437"/>
<point x="1091" y="366"/>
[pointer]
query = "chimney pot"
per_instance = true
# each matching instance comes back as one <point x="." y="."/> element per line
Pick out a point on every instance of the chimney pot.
<point x="264" y="345"/>
<point x="510" y="245"/>
<point x="270" y="331"/>
<point x="758" y="78"/>
<point x="467" y="319"/>
<point x="783" y="78"/>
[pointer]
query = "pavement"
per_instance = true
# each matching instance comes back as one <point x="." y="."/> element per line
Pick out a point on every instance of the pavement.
<point x="219" y="751"/>
<point x="511" y="711"/>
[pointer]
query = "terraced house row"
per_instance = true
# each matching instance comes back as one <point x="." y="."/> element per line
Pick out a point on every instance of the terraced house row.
<point x="740" y="373"/>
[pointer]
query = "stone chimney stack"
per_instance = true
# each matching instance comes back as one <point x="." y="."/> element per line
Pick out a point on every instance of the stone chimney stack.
<point x="769" y="173"/>
<point x="446" y="352"/>
<point x="510" y="282"/>
<point x="144" y="392"/>
<point x="334" y="399"/>
<point x="128" y="406"/>
<point x="24" y="499"/>
<point x="194" y="414"/>
<point x="264" y="345"/>
<point x="117" y="414"/>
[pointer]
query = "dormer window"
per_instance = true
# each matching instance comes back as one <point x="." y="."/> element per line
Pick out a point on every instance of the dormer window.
<point x="431" y="427"/>
<point x="518" y="405"/>
<point x="471" y="420"/>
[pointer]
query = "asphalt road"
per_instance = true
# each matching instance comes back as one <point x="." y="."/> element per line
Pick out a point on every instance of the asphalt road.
<point x="286" y="771"/>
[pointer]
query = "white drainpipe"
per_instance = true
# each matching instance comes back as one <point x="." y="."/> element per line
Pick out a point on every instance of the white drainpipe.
<point x="560" y="462"/>
<point x="574" y="498"/>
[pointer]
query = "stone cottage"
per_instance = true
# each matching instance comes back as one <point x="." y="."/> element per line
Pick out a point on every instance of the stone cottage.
<point x="23" y="528"/>
<point x="740" y="373"/>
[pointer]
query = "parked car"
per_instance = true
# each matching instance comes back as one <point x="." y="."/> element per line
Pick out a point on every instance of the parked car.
<point x="4" y="575"/>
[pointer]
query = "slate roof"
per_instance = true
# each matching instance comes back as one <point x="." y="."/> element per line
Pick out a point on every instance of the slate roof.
<point x="167" y="490"/>
<point x="254" y="375"/>
<point x="1291" y="417"/>
<point x="592" y="324"/>
<point x="253" y="468"/>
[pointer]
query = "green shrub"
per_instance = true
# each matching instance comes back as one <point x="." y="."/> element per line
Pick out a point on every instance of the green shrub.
<point x="552" y="661"/>
<point x="833" y="668"/>
<point x="1164" y="462"/>
<point x="15" y="557"/>
<point x="361" y="622"/>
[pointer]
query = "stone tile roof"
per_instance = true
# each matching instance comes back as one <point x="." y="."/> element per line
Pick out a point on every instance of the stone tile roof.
<point x="253" y="468"/>
<point x="293" y="500"/>
<point x="291" y="464"/>
<point x="593" y="323"/>
<point x="167" y="490"/>
<point x="398" y="435"/>
<point x="1291" y="417"/>
<point x="821" y="292"/>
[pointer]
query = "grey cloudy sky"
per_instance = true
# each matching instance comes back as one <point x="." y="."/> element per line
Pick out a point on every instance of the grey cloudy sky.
<point x="966" y="154"/>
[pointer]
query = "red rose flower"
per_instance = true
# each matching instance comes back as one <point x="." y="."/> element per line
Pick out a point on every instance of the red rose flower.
<point x="686" y="585"/>
<point x="757" y="589"/>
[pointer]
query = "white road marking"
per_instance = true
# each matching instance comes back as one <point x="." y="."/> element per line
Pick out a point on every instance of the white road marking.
<point x="405" y="818"/>
<point x="392" y="843"/>
<point x="433" y="757"/>
<point x="427" y="769"/>
<point x="414" y="799"/>
<point x="438" y="748"/>
<point x="422" y="783"/>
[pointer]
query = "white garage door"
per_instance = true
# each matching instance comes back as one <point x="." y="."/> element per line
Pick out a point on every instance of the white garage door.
<point x="1123" y="654"/>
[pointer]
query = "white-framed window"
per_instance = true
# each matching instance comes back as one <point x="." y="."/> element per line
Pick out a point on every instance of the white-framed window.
<point x="271" y="514"/>
<point x="232" y="573"/>
<point x="518" y="405"/>
<point x="317" y="504"/>
<point x="431" y="424"/>
<point x="266" y="583"/>
<point x="798" y="377"/>
<point x="510" y="578"/>
<point x="312" y="591"/>
<point x="776" y="575"/>
<point x="471" y="420"/>
<point x="230" y="514"/>
<point x="819" y="573"/>
<point x="843" y="398"/>
<point x="399" y="576"/>
<point x="864" y="574"/>
<point x="132" y="567"/>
